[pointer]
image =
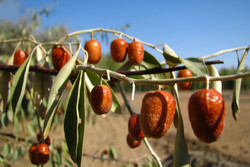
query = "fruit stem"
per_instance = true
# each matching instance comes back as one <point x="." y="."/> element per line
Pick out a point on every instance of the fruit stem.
<point x="37" y="116"/>
<point x="207" y="81"/>
<point x="158" y="160"/>
<point x="125" y="98"/>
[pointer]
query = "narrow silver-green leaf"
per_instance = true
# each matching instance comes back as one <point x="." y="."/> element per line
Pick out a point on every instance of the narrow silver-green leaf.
<point x="113" y="152"/>
<point x="74" y="121"/>
<point x="4" y="88"/>
<point x="196" y="65"/>
<point x="237" y="85"/>
<point x="92" y="79"/>
<point x="19" y="85"/>
<point x="181" y="157"/>
<point x="71" y="118"/>
<point x="81" y="125"/>
<point x="212" y="71"/>
<point x="57" y="90"/>
<point x="172" y="59"/>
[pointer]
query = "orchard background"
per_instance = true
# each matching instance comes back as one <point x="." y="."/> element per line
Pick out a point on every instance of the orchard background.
<point x="104" y="137"/>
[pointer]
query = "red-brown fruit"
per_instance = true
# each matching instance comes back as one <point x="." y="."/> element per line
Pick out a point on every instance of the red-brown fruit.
<point x="105" y="151"/>
<point x="135" y="53"/>
<point x="47" y="140"/>
<point x="182" y="74"/>
<point x="32" y="154"/>
<point x="157" y="113"/>
<point x="132" y="143"/>
<point x="134" y="127"/>
<point x="20" y="56"/>
<point x="101" y="99"/>
<point x="60" y="57"/>
<point x="118" y="49"/>
<point x="59" y="111"/>
<point x="207" y="112"/>
<point x="42" y="153"/>
<point x="94" y="49"/>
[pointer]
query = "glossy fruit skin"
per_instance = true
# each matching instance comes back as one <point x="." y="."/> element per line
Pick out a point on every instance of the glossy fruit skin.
<point x="101" y="99"/>
<point x="135" y="53"/>
<point x="94" y="49"/>
<point x="42" y="153"/>
<point x="206" y="108"/>
<point x="118" y="49"/>
<point x="60" y="57"/>
<point x="134" y="127"/>
<point x="47" y="140"/>
<point x="32" y="154"/>
<point x="20" y="56"/>
<point x="132" y="143"/>
<point x="182" y="74"/>
<point x="157" y="113"/>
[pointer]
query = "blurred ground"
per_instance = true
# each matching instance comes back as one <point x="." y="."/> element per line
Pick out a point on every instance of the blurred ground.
<point x="232" y="148"/>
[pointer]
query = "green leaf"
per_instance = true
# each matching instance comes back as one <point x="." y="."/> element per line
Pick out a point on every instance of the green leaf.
<point x="74" y="121"/>
<point x="172" y="59"/>
<point x="113" y="152"/>
<point x="6" y="150"/>
<point x="57" y="90"/>
<point x="42" y="83"/>
<point x="19" y="85"/>
<point x="181" y="157"/>
<point x="81" y="125"/>
<point x="196" y="65"/>
<point x="92" y="80"/>
<point x="4" y="88"/>
<point x="149" y="62"/>
<point x="15" y="156"/>
<point x="212" y="71"/>
<point x="237" y="85"/>
<point x="4" y="120"/>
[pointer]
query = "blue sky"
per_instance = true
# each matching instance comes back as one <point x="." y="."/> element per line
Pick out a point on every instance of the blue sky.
<point x="192" y="28"/>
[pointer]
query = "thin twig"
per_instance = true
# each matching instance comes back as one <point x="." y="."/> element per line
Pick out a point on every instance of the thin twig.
<point x="159" y="70"/>
<point x="125" y="98"/>
<point x="106" y="158"/>
<point x="224" y="51"/>
<point x="126" y="79"/>
<point x="14" y="68"/>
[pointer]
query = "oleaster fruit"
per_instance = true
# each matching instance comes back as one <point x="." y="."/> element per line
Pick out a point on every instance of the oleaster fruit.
<point x="135" y="53"/>
<point x="20" y="56"/>
<point x="59" y="57"/>
<point x="157" y="113"/>
<point x="42" y="153"/>
<point x="206" y="108"/>
<point x="134" y="127"/>
<point x="182" y="74"/>
<point x="118" y="49"/>
<point x="101" y="99"/>
<point x="132" y="143"/>
<point x="32" y="154"/>
<point x="94" y="49"/>
<point x="47" y="140"/>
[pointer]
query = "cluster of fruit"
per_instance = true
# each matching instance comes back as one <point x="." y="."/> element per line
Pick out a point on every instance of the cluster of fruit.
<point x="206" y="112"/>
<point x="118" y="49"/>
<point x="39" y="152"/>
